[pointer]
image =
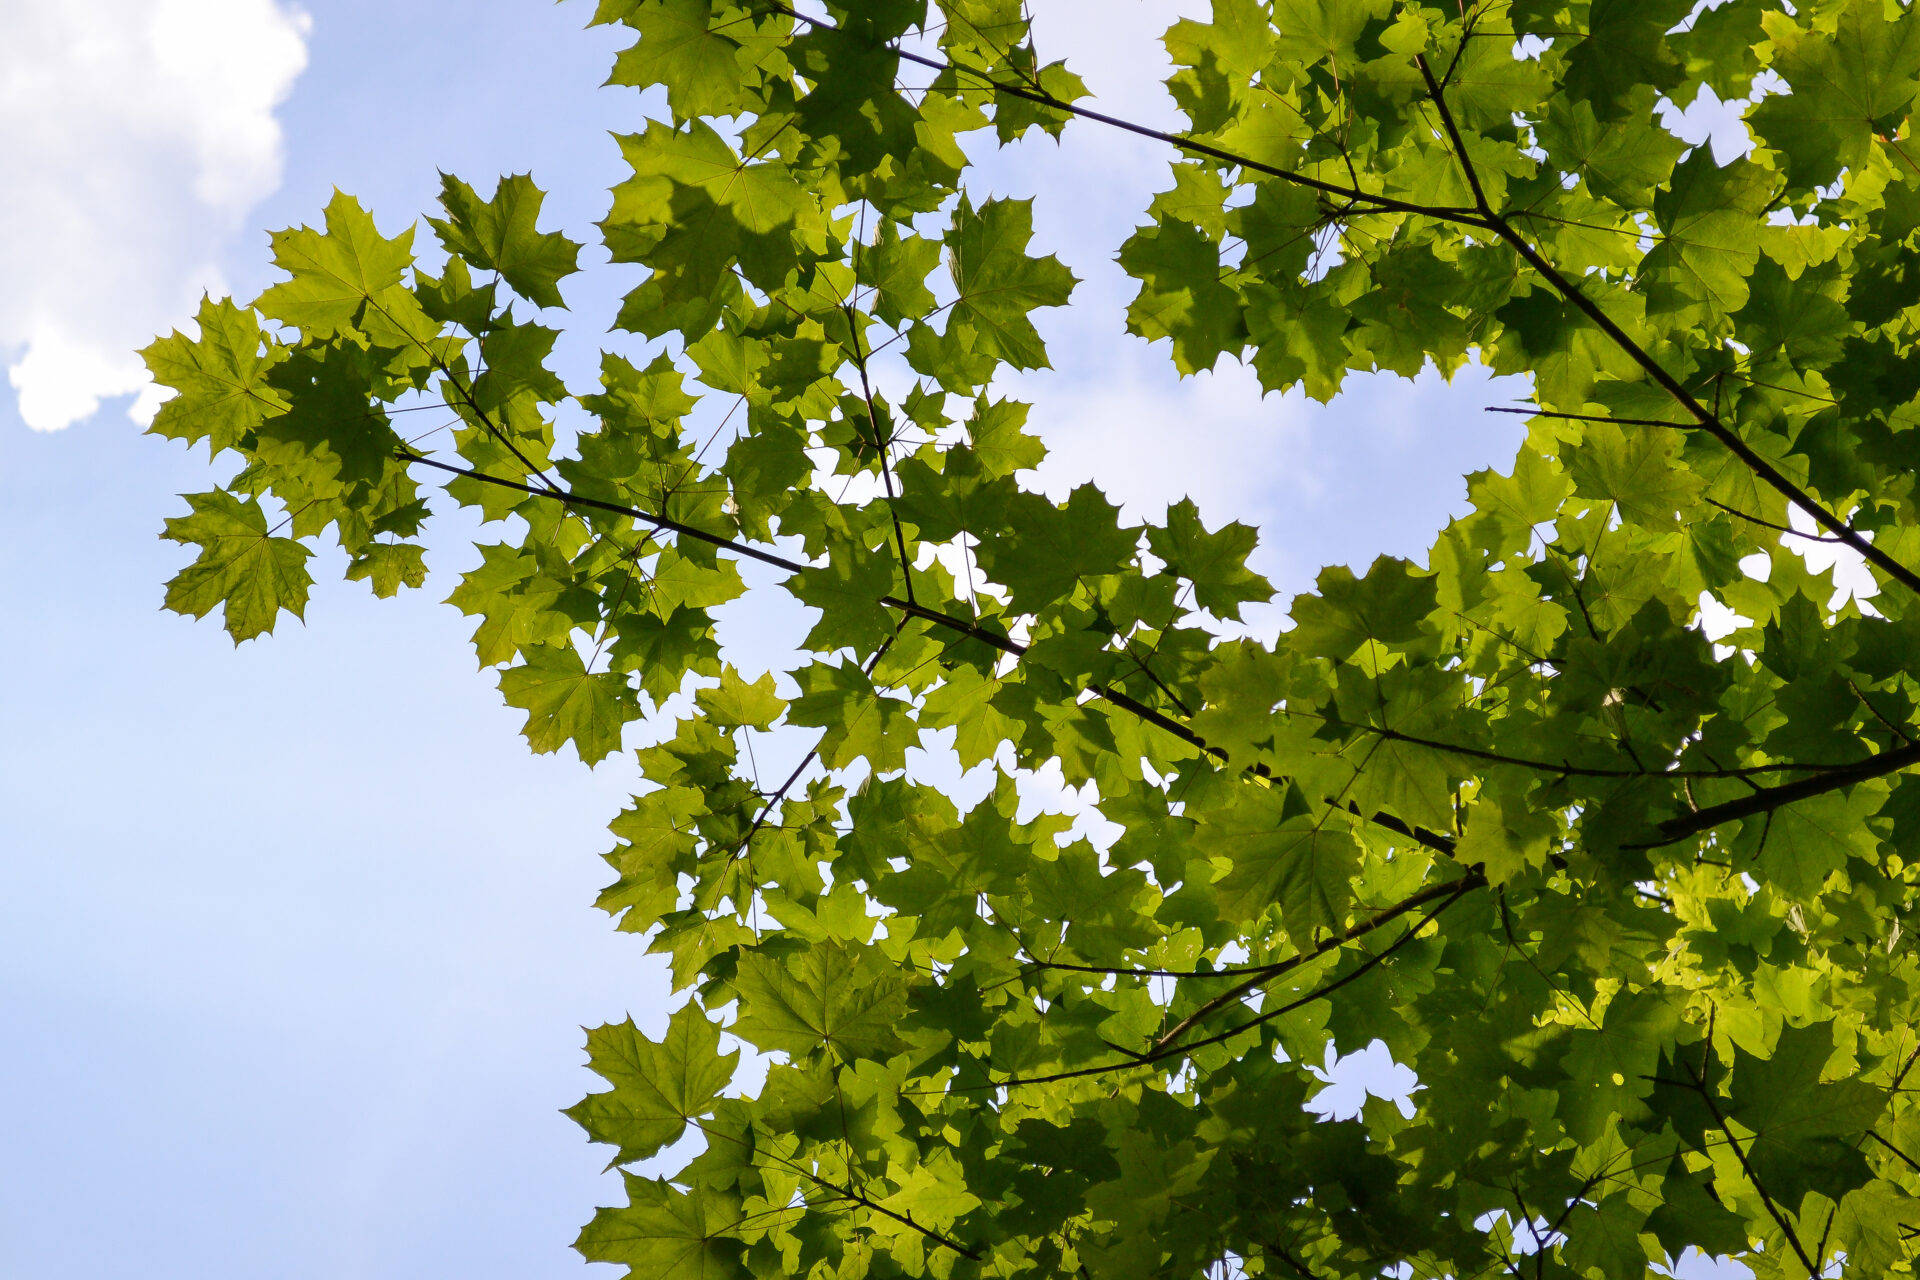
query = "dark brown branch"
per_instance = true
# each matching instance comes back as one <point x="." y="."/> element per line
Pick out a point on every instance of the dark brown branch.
<point x="1768" y="524"/>
<point x="576" y="500"/>
<point x="1534" y="411"/>
<point x="1707" y="418"/>
<point x="1472" y="880"/>
<point x="1569" y="770"/>
<point x="1767" y="799"/>
<point x="1905" y="1067"/>
<point x="1381" y="204"/>
<point x="1157" y="682"/>
<point x="1005" y="644"/>
<point x="1266" y="972"/>
<point x="1459" y="887"/>
<point x="1453" y="133"/>
<point x="880" y="447"/>
<point x="1485" y="219"/>
<point x="1709" y="422"/>
<point x="486" y="420"/>
<point x="766" y="809"/>
<point x="1773" y="1210"/>
<point x="847" y="1193"/>
<point x="1908" y="1160"/>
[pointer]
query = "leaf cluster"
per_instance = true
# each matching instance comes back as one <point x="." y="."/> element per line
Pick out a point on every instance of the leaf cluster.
<point x="1633" y="904"/>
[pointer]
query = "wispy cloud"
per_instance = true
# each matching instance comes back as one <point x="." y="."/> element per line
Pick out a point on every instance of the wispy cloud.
<point x="135" y="135"/>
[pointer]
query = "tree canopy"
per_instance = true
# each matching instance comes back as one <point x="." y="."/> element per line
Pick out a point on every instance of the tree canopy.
<point x="1632" y="903"/>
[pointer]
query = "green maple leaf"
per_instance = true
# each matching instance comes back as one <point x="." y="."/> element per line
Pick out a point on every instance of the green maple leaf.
<point x="1707" y="246"/>
<point x="1000" y="439"/>
<point x="1505" y="838"/>
<point x="659" y="1086"/>
<point x="1609" y="1067"/>
<point x="659" y="841"/>
<point x="964" y="703"/>
<point x="1625" y="47"/>
<point x="1215" y="563"/>
<point x="1622" y="160"/>
<point x="388" y="566"/>
<point x="848" y="592"/>
<point x="329" y="432"/>
<point x="757" y="197"/>
<point x="664" y="650"/>
<point x="1872" y="1227"/>
<point x="241" y="568"/>
<point x="859" y="721"/>
<point x="702" y="70"/>
<point x="1847" y="85"/>
<point x="1805" y="843"/>
<point x="502" y="235"/>
<point x="736" y="702"/>
<point x="337" y="272"/>
<point x="1689" y="1215"/>
<point x="220" y="378"/>
<point x="1198" y="198"/>
<point x="1806" y="1134"/>
<point x="854" y="101"/>
<point x="1303" y="865"/>
<point x="566" y="703"/>
<point x="1047" y="549"/>
<point x="1389" y="606"/>
<point x="1633" y="467"/>
<point x="1310" y="30"/>
<point x="896" y="267"/>
<point x="1604" y="1240"/>
<point x="1242" y="690"/>
<point x="933" y="1195"/>
<point x="999" y="284"/>
<point x="664" y="1233"/>
<point x="1181" y="294"/>
<point x="515" y="356"/>
<point x="516" y="607"/>
<point x="681" y="581"/>
<point x="829" y="998"/>
<point x="1801" y="318"/>
<point x="1395" y="772"/>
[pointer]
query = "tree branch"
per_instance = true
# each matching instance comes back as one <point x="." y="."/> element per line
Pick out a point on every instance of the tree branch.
<point x="1459" y="889"/>
<point x="1453" y="134"/>
<point x="1483" y="218"/>
<point x="848" y="1193"/>
<point x="1767" y="799"/>
<point x="1746" y="1166"/>
<point x="1005" y="644"/>
<point x="1570" y="770"/>
<point x="1472" y="880"/>
<point x="1383" y="204"/>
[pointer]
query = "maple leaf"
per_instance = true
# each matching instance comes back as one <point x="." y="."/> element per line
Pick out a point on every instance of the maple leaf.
<point x="336" y="273"/>
<point x="220" y="379"/>
<point x="999" y="285"/>
<point x="501" y="235"/>
<point x="565" y="702"/>
<point x="241" y="567"/>
<point x="1597" y="816"/>
<point x="667" y="1233"/>
<point x="658" y="1085"/>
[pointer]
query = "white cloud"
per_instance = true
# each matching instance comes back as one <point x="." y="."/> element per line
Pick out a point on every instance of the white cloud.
<point x="135" y="136"/>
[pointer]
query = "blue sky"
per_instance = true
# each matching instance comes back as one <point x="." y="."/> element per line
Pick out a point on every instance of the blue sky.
<point x="296" y="941"/>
